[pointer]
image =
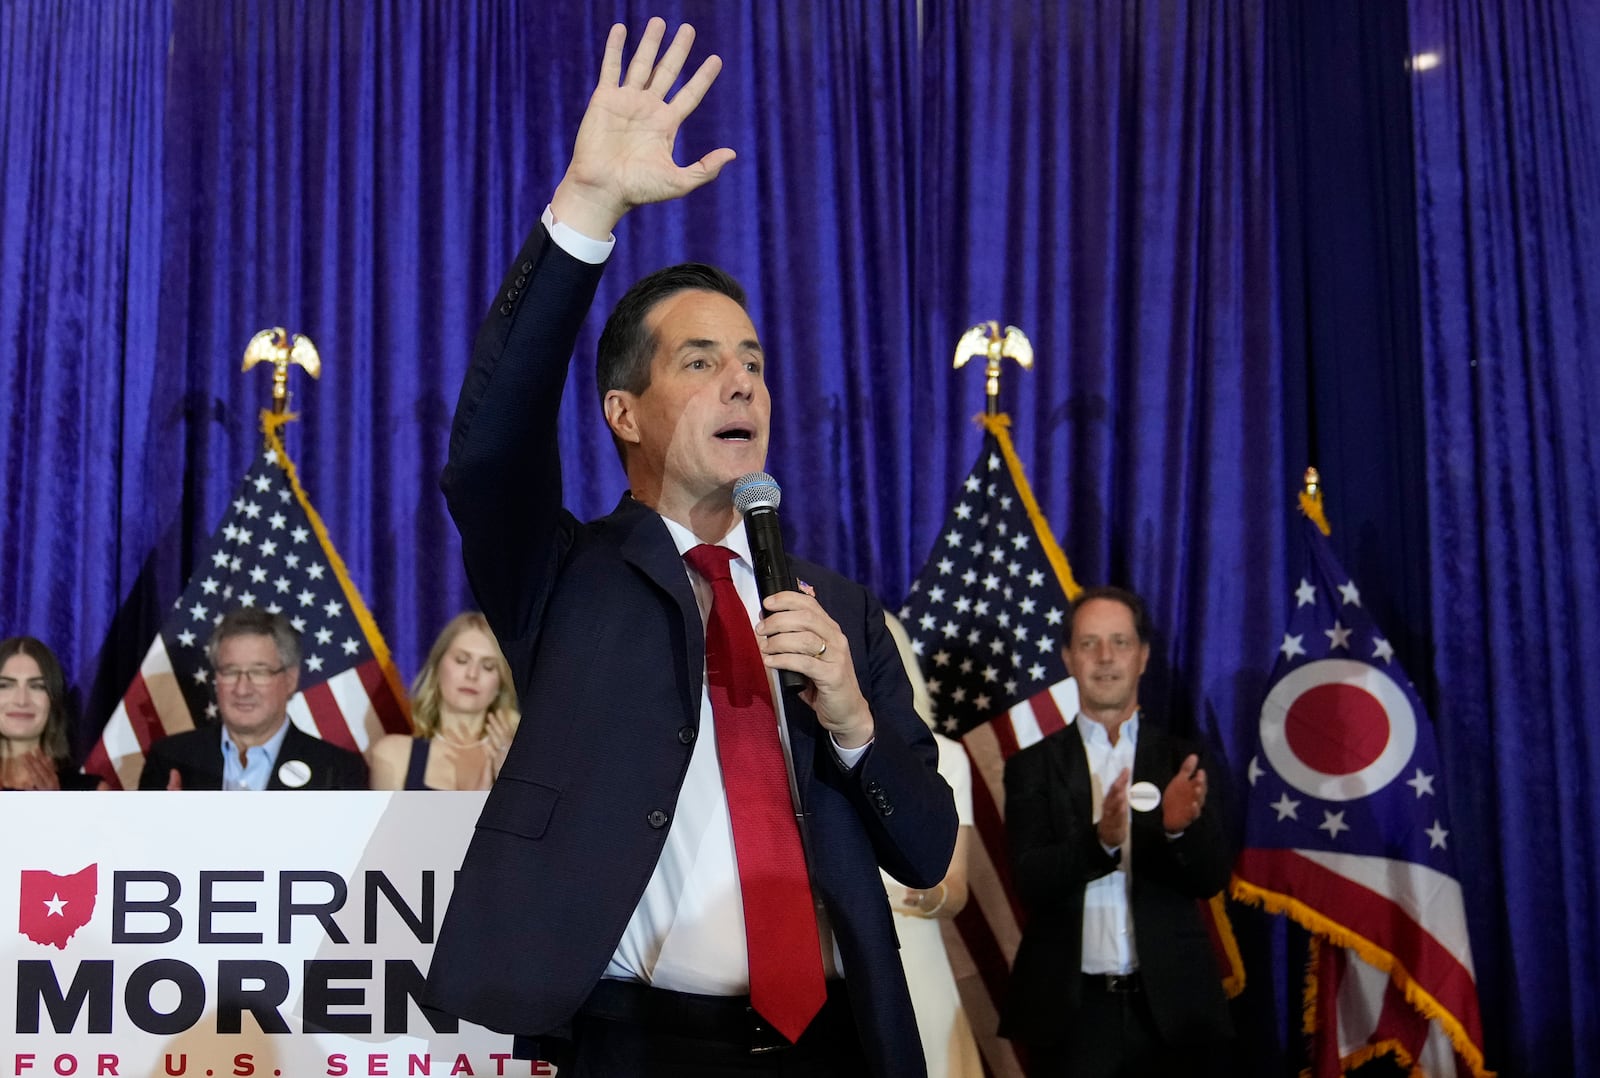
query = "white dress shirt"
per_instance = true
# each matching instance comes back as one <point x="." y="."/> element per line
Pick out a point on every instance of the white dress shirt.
<point x="1108" y="944"/>
<point x="687" y="932"/>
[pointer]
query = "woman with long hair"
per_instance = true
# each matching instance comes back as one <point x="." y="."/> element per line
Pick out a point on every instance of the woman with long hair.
<point x="34" y="751"/>
<point x="463" y="710"/>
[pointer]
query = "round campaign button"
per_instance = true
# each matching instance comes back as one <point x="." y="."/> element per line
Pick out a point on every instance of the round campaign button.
<point x="294" y="773"/>
<point x="1338" y="729"/>
<point x="1144" y="797"/>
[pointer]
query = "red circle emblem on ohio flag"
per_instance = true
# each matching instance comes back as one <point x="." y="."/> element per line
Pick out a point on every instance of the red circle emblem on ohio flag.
<point x="1338" y="729"/>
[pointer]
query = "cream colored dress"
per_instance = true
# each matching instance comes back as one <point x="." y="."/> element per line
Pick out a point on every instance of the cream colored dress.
<point x="946" y="1037"/>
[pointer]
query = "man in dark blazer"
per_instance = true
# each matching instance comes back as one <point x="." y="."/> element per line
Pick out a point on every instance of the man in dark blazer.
<point x="1112" y="842"/>
<point x="598" y="912"/>
<point x="255" y="663"/>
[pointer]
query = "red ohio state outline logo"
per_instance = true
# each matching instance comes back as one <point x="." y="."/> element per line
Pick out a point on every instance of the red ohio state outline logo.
<point x="51" y="908"/>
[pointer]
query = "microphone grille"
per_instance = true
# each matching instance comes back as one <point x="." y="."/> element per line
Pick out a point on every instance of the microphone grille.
<point x="756" y="490"/>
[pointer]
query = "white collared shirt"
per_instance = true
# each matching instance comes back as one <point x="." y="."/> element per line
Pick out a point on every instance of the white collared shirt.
<point x="1108" y="944"/>
<point x="687" y="932"/>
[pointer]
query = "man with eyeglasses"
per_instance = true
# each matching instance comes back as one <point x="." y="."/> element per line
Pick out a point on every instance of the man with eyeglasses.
<point x="255" y="659"/>
<point x="1112" y="842"/>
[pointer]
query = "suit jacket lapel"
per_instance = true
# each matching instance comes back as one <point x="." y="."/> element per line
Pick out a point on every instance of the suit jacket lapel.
<point x="647" y="545"/>
<point x="1072" y="772"/>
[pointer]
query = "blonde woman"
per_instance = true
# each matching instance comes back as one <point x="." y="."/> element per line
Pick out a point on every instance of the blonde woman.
<point x="464" y="711"/>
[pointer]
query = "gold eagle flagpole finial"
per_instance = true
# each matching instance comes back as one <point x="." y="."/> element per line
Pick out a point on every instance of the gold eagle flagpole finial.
<point x="985" y="339"/>
<point x="275" y="346"/>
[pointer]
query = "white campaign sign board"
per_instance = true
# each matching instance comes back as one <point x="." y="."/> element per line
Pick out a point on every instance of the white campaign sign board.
<point x="231" y="934"/>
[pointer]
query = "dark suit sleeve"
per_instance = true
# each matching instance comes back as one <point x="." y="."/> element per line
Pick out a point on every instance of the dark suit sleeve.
<point x="1054" y="850"/>
<point x="502" y="480"/>
<point x="157" y="769"/>
<point x="905" y="804"/>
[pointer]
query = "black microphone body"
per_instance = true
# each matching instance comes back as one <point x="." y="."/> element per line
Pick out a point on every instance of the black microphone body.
<point x="757" y="497"/>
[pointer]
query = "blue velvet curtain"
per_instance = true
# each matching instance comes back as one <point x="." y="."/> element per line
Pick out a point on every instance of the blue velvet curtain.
<point x="1508" y="184"/>
<point x="1241" y="236"/>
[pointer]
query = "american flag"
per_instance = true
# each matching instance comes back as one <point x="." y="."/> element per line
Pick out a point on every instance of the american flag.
<point x="987" y="618"/>
<point x="1347" y="832"/>
<point x="271" y="552"/>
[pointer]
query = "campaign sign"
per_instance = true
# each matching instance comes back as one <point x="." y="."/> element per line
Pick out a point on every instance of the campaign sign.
<point x="231" y="934"/>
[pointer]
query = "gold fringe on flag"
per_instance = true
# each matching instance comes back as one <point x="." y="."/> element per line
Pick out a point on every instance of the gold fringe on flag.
<point x="272" y="424"/>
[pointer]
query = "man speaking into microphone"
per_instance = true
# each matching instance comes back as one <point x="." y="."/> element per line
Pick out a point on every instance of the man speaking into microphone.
<point x="676" y="872"/>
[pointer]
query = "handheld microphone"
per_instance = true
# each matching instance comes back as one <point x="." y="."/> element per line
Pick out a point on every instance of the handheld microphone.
<point x="756" y="495"/>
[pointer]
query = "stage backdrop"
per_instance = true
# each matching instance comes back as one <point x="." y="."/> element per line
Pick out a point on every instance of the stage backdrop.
<point x="1244" y="236"/>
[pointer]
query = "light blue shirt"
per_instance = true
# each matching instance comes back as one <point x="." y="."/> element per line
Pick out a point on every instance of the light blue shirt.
<point x="256" y="771"/>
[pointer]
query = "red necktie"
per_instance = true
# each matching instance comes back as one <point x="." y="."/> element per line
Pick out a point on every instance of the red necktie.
<point x="780" y="923"/>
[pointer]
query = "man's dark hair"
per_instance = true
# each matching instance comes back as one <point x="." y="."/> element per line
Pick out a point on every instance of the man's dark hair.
<point x="622" y="360"/>
<point x="253" y="621"/>
<point x="1141" y="617"/>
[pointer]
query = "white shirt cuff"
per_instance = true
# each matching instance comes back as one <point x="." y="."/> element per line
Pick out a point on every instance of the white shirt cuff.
<point x="848" y="758"/>
<point x="575" y="243"/>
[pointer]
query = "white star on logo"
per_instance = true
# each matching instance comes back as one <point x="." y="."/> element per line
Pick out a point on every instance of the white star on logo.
<point x="263" y="483"/>
<point x="1422" y="782"/>
<point x="332" y="608"/>
<point x="1305" y="594"/>
<point x="1436" y="836"/>
<point x="1338" y="637"/>
<point x="252" y="510"/>
<point x="350" y="646"/>
<point x="1351" y="596"/>
<point x="299" y="535"/>
<point x="1291" y="646"/>
<point x="963" y="511"/>
<point x="1333" y="823"/>
<point x="1382" y="649"/>
<point x="1254" y="771"/>
<point x="1286" y="807"/>
<point x="55" y="902"/>
<point x="314" y="663"/>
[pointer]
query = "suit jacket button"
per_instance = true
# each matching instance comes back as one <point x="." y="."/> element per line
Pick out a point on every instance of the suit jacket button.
<point x="522" y="279"/>
<point x="511" y="294"/>
<point x="686" y="734"/>
<point x="527" y="267"/>
<point x="657" y="819"/>
<point x="505" y="308"/>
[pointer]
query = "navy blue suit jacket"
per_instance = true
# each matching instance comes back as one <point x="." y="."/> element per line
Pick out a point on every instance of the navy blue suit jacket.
<point x="603" y="634"/>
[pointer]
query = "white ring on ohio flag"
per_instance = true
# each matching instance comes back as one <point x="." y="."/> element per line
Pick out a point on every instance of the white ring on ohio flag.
<point x="1358" y="675"/>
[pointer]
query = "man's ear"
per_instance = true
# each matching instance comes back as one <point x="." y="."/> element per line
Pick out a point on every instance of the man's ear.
<point x="622" y="415"/>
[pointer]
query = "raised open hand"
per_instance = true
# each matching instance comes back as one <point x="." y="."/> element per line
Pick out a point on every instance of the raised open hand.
<point x="1184" y="796"/>
<point x="622" y="156"/>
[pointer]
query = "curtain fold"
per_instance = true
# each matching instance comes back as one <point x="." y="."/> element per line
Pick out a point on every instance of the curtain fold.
<point x="82" y="92"/>
<point x="1508" y="180"/>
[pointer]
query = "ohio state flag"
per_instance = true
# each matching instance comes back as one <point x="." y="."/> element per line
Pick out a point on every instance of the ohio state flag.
<point x="1347" y="832"/>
